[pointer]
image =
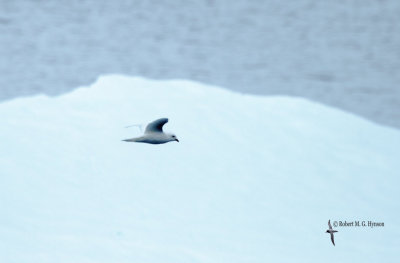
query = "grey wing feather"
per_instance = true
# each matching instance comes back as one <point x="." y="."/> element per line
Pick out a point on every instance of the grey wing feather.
<point x="156" y="126"/>
<point x="333" y="241"/>
<point x="329" y="224"/>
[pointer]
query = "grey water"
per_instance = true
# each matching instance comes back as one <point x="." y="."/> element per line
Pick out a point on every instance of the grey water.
<point x="343" y="53"/>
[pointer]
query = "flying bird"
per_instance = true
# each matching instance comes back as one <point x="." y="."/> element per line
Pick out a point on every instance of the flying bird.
<point x="154" y="133"/>
<point x="331" y="231"/>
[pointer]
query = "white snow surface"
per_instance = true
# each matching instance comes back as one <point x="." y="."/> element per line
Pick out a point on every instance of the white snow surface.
<point x="253" y="179"/>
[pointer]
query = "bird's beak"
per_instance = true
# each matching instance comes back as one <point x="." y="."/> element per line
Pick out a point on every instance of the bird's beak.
<point x="177" y="140"/>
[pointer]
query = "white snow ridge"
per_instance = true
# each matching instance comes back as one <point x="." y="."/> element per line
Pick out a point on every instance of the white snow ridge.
<point x="253" y="179"/>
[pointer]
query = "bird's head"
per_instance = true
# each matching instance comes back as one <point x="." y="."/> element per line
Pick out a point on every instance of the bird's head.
<point x="173" y="137"/>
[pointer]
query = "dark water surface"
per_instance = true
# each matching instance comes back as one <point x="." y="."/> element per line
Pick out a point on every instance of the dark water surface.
<point x="344" y="53"/>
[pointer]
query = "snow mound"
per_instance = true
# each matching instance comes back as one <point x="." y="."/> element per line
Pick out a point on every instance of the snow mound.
<point x="253" y="179"/>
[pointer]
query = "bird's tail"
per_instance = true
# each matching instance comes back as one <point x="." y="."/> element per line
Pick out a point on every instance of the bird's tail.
<point x="130" y="140"/>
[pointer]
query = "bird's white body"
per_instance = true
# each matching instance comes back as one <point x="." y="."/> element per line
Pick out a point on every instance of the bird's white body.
<point x="154" y="134"/>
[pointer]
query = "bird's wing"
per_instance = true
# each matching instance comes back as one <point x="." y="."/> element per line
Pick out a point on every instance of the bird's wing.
<point x="329" y="224"/>
<point x="333" y="240"/>
<point x="136" y="125"/>
<point x="156" y="126"/>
